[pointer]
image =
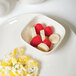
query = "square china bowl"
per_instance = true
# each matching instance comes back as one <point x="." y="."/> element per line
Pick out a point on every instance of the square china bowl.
<point x="26" y="32"/>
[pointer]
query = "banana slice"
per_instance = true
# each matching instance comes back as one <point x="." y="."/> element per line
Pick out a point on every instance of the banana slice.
<point x="43" y="47"/>
<point x="33" y="32"/>
<point x="54" y="38"/>
<point x="42" y="33"/>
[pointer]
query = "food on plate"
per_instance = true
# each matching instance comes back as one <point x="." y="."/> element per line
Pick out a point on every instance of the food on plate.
<point x="36" y="41"/>
<point x="17" y="64"/>
<point x="44" y="38"/>
<point x="38" y="28"/>
<point x="42" y="34"/>
<point x="48" y="30"/>
<point x="43" y="47"/>
<point x="54" y="38"/>
<point x="33" y="31"/>
<point x="47" y="42"/>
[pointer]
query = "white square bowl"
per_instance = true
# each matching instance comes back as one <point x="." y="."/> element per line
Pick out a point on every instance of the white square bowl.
<point x="26" y="32"/>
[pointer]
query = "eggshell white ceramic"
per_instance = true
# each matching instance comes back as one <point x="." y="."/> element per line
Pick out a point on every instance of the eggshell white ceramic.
<point x="26" y="32"/>
<point x="6" y="6"/>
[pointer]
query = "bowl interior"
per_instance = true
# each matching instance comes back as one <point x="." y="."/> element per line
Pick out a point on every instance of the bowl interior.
<point x="58" y="28"/>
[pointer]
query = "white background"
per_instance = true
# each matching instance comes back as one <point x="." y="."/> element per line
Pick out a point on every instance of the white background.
<point x="63" y="11"/>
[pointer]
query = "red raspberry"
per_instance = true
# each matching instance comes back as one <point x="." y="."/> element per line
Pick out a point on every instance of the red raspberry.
<point x="47" y="42"/>
<point x="38" y="28"/>
<point x="48" y="30"/>
<point x="36" y="41"/>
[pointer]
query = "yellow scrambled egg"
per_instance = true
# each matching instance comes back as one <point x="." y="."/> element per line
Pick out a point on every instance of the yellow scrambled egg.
<point x="17" y="64"/>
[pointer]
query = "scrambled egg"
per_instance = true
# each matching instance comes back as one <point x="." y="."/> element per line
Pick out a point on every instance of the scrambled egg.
<point x="16" y="64"/>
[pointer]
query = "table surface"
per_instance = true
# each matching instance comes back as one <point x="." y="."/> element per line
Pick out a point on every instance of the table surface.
<point x="63" y="11"/>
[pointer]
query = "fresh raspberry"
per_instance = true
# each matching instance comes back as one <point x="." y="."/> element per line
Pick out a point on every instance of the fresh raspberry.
<point x="47" y="42"/>
<point x="38" y="28"/>
<point x="48" y="30"/>
<point x="36" y="41"/>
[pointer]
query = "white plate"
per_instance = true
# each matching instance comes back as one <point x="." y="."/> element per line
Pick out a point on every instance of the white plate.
<point x="26" y="32"/>
<point x="61" y="62"/>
